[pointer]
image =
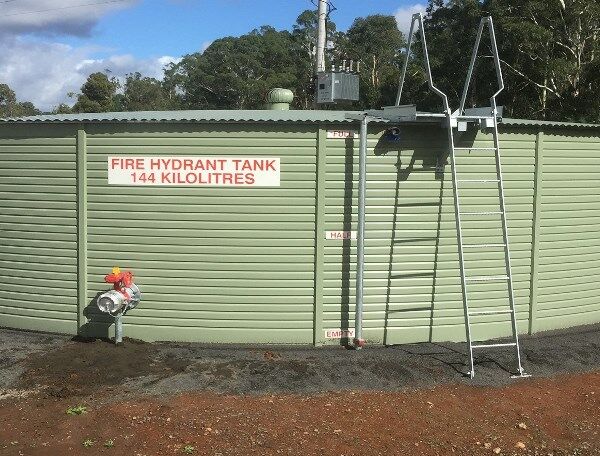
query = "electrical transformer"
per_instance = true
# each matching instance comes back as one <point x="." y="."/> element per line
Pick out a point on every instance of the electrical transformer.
<point x="337" y="86"/>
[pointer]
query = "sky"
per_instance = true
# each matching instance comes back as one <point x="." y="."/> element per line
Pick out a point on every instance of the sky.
<point x="49" y="47"/>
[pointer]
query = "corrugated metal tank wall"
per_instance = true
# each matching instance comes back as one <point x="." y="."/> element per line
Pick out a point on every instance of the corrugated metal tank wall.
<point x="412" y="281"/>
<point x="38" y="228"/>
<point x="214" y="264"/>
<point x="568" y="285"/>
<point x="253" y="264"/>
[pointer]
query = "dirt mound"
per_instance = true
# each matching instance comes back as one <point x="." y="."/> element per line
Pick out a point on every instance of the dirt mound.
<point x="542" y="417"/>
<point x="83" y="367"/>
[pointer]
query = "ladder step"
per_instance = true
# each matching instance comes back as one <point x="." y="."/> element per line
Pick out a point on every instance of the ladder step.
<point x="490" y="312"/>
<point x="487" y="116"/>
<point x="479" y="181"/>
<point x="481" y="213"/>
<point x="486" y="278"/>
<point x="512" y="344"/>
<point x="482" y="246"/>
<point x="474" y="148"/>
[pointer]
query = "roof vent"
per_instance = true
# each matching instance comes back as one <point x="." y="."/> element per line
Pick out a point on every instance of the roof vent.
<point x="279" y="99"/>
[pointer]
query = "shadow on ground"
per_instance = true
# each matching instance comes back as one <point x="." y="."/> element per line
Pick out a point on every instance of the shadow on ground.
<point x="63" y="367"/>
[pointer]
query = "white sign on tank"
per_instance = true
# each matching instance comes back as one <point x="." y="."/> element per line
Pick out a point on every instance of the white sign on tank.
<point x="195" y="171"/>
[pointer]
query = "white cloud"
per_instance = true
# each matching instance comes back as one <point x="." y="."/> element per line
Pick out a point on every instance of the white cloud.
<point x="70" y="17"/>
<point x="121" y="65"/>
<point x="205" y="46"/>
<point x="44" y="72"/>
<point x="404" y="16"/>
<point x="167" y="60"/>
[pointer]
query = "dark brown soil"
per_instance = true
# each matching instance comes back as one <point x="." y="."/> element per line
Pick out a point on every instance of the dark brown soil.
<point x="175" y="398"/>
<point x="556" y="417"/>
<point x="83" y="367"/>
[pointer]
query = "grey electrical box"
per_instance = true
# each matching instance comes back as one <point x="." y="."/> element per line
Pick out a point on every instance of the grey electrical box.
<point x="337" y="86"/>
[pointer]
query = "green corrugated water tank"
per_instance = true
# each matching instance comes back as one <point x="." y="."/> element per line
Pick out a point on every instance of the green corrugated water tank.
<point x="240" y="226"/>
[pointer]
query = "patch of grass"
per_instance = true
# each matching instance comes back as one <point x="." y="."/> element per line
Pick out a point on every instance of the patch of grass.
<point x="88" y="443"/>
<point x="189" y="449"/>
<point x="109" y="443"/>
<point x="77" y="410"/>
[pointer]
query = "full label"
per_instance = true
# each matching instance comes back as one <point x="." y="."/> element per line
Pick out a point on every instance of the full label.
<point x="341" y="134"/>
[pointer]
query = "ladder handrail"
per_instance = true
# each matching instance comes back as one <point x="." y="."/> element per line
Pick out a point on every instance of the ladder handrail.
<point x="461" y="253"/>
<point x="490" y="23"/>
<point x="505" y="244"/>
<point x="418" y="17"/>
<point x="451" y="120"/>
<point x="504" y="218"/>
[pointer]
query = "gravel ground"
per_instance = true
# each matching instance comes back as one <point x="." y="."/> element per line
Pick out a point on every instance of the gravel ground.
<point x="147" y="399"/>
<point x="33" y="361"/>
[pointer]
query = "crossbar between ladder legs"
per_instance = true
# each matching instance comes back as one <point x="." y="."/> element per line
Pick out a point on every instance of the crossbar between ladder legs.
<point x="521" y="375"/>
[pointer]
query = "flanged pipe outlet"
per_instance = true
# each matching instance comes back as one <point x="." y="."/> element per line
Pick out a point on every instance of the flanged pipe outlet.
<point x="124" y="296"/>
<point x="359" y="343"/>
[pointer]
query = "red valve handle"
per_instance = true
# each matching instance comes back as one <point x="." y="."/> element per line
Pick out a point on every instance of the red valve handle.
<point x="126" y="277"/>
<point x="120" y="281"/>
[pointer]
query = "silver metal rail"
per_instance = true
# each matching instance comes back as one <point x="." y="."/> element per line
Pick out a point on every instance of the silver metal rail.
<point x="360" y="247"/>
<point x="418" y="17"/>
<point x="485" y="117"/>
<point x="511" y="296"/>
<point x="489" y="22"/>
<point x="494" y="114"/>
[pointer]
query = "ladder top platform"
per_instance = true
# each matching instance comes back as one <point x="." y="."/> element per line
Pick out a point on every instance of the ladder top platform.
<point x="409" y="114"/>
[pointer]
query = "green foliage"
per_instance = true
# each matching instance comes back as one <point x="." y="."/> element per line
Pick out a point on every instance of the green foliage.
<point x="304" y="49"/>
<point x="188" y="449"/>
<point x="62" y="109"/>
<point x="9" y="107"/>
<point x="550" y="55"/>
<point x="97" y="94"/>
<point x="236" y="73"/>
<point x="88" y="443"/>
<point x="7" y="95"/>
<point x="99" y="87"/>
<point x="109" y="443"/>
<point x="144" y="94"/>
<point x="377" y="43"/>
<point x="77" y="410"/>
<point x="26" y="108"/>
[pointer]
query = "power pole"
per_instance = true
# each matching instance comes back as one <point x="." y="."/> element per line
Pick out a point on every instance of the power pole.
<point x="322" y="35"/>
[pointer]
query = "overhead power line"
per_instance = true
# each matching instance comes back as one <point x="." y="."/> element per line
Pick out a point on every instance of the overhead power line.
<point x="60" y="8"/>
<point x="330" y="6"/>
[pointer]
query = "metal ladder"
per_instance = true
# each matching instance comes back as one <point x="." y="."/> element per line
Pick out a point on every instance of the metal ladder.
<point x="465" y="279"/>
<point x="491" y="118"/>
<point x="462" y="117"/>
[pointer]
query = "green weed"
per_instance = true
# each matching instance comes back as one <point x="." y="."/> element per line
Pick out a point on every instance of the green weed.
<point x="78" y="410"/>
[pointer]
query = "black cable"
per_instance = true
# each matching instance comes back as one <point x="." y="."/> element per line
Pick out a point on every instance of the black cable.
<point x="61" y="8"/>
<point x="330" y="6"/>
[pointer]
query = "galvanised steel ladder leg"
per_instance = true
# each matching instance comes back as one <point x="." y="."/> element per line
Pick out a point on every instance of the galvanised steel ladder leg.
<point x="511" y="297"/>
<point x="486" y="21"/>
<point x="459" y="235"/>
<point x="461" y="246"/>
